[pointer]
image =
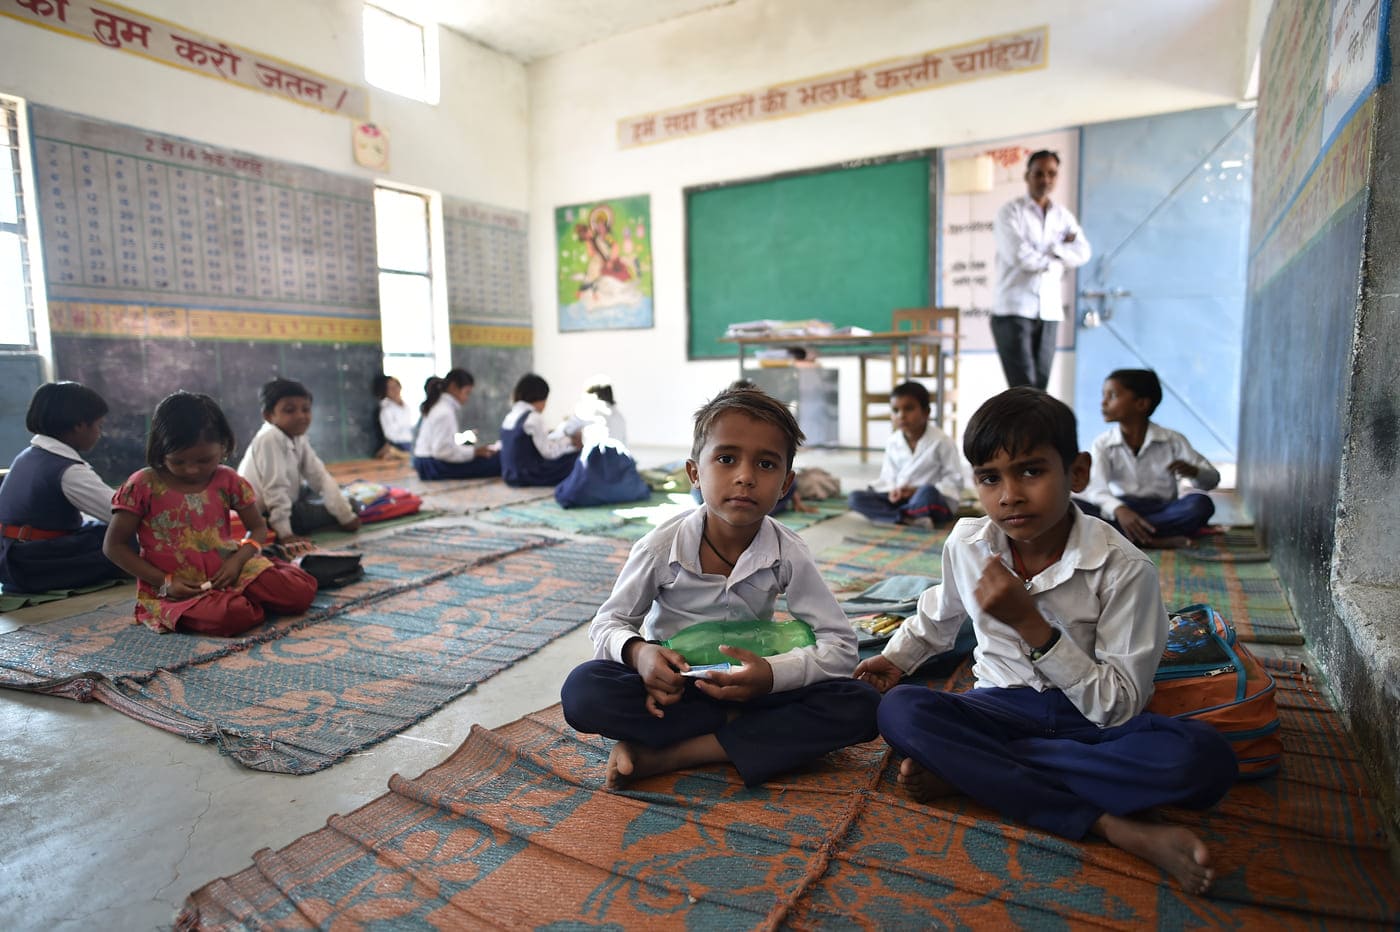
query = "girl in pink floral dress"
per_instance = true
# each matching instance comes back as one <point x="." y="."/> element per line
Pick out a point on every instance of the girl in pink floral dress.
<point x="191" y="573"/>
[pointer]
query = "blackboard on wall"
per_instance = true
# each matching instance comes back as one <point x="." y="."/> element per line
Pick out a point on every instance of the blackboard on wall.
<point x="847" y="244"/>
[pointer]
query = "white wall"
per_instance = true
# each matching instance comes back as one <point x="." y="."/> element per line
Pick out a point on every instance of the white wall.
<point x="1108" y="59"/>
<point x="473" y="145"/>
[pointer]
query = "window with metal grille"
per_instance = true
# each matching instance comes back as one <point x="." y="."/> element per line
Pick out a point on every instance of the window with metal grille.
<point x="16" y="291"/>
<point x="409" y="322"/>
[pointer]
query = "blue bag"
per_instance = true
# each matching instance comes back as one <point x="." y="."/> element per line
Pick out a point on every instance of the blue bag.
<point x="605" y="474"/>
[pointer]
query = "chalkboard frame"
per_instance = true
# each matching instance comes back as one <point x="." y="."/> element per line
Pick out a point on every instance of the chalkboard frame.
<point x="930" y="155"/>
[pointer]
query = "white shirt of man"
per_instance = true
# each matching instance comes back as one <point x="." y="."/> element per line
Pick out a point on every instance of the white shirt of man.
<point x="437" y="435"/>
<point x="933" y="461"/>
<point x="1103" y="595"/>
<point x="276" y="465"/>
<point x="1032" y="257"/>
<point x="1118" y="471"/>
<point x="396" y="421"/>
<point x="81" y="484"/>
<point x="551" y="445"/>
<point x="662" y="590"/>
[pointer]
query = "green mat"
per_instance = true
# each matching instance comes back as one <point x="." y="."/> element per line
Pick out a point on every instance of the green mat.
<point x="880" y="551"/>
<point x="9" y="601"/>
<point x="632" y="520"/>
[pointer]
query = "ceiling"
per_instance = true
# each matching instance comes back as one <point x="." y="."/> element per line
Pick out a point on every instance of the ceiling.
<point x="528" y="30"/>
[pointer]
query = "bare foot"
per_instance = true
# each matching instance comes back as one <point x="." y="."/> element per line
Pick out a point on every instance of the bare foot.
<point x="1176" y="542"/>
<point x="628" y="762"/>
<point x="922" y="785"/>
<point x="1173" y="848"/>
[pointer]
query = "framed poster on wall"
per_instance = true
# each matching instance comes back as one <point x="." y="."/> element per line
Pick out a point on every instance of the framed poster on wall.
<point x="605" y="264"/>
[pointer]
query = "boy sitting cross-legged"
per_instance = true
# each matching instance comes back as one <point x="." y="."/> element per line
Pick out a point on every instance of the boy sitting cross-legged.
<point x="724" y="561"/>
<point x="1070" y="628"/>
<point x="1137" y="465"/>
<point x="920" y="478"/>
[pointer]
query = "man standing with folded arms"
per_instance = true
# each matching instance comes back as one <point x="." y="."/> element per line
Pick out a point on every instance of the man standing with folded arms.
<point x="1036" y="241"/>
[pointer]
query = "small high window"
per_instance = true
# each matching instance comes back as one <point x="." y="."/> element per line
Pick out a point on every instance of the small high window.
<point x="401" y="56"/>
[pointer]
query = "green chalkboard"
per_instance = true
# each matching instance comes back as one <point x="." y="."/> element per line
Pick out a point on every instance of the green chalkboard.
<point x="848" y="245"/>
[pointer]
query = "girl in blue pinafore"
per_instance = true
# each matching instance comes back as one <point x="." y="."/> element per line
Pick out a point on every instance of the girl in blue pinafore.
<point x="529" y="455"/>
<point x="44" y="542"/>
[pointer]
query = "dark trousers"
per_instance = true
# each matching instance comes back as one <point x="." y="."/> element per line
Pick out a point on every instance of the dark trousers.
<point x="1179" y="517"/>
<point x="1034" y="758"/>
<point x="926" y="502"/>
<point x="483" y="467"/>
<point x="1026" y="347"/>
<point x="69" y="562"/>
<point x="772" y="734"/>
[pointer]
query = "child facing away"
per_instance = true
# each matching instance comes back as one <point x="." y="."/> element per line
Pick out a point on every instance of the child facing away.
<point x="44" y="542"/>
<point x="192" y="575"/>
<point x="394" y="419"/>
<point x="294" y="488"/>
<point x="1138" y="464"/>
<point x="607" y="410"/>
<point x="437" y="452"/>
<point x="724" y="561"/>
<point x="920" y="478"/>
<point x="529" y="455"/>
<point x="1070" y="628"/>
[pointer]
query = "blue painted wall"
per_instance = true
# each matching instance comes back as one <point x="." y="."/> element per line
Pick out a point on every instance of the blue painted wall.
<point x="1170" y="224"/>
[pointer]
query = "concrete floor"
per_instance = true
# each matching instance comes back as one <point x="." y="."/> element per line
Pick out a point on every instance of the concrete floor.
<point x="109" y="823"/>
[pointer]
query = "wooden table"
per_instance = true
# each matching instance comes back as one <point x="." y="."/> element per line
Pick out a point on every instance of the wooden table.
<point x="907" y="339"/>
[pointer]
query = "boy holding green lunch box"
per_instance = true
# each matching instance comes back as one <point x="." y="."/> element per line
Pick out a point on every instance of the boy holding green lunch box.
<point x="725" y="562"/>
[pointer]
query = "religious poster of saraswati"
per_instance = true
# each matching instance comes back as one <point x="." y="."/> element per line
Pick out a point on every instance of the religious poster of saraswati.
<point x="605" y="264"/>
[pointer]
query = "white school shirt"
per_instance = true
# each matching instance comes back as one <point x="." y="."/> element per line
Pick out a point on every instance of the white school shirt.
<point x="1103" y="595"/>
<point x="1032" y="257"/>
<point x="933" y="461"/>
<point x="617" y="425"/>
<point x="437" y="434"/>
<point x="1118" y="471"/>
<point x="81" y="484"/>
<point x="662" y="590"/>
<point x="396" y="421"/>
<point x="551" y="446"/>
<point x="275" y="465"/>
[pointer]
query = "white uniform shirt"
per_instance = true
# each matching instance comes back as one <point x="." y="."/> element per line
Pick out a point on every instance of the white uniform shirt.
<point x="1032" y="257"/>
<point x="551" y="446"/>
<point x="1118" y="471"/>
<point x="662" y="590"/>
<point x="933" y="461"/>
<point x="396" y="421"/>
<point x="81" y="484"/>
<point x="437" y="434"/>
<point x="276" y="465"/>
<point x="1103" y="595"/>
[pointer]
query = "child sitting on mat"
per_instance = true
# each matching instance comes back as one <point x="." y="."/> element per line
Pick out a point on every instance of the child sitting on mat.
<point x="1138" y="464"/>
<point x="437" y="453"/>
<point x="529" y="455"/>
<point x="296" y="491"/>
<point x="920" y="479"/>
<point x="46" y="544"/>
<point x="394" y="420"/>
<point x="1070" y="628"/>
<point x="191" y="574"/>
<point x="726" y="560"/>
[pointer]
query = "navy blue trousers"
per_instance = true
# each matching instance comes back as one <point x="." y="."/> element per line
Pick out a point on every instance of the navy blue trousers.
<point x="926" y="502"/>
<point x="69" y="562"/>
<point x="1034" y="758"/>
<point x="1179" y="517"/>
<point x="772" y="734"/>
<point x="483" y="467"/>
